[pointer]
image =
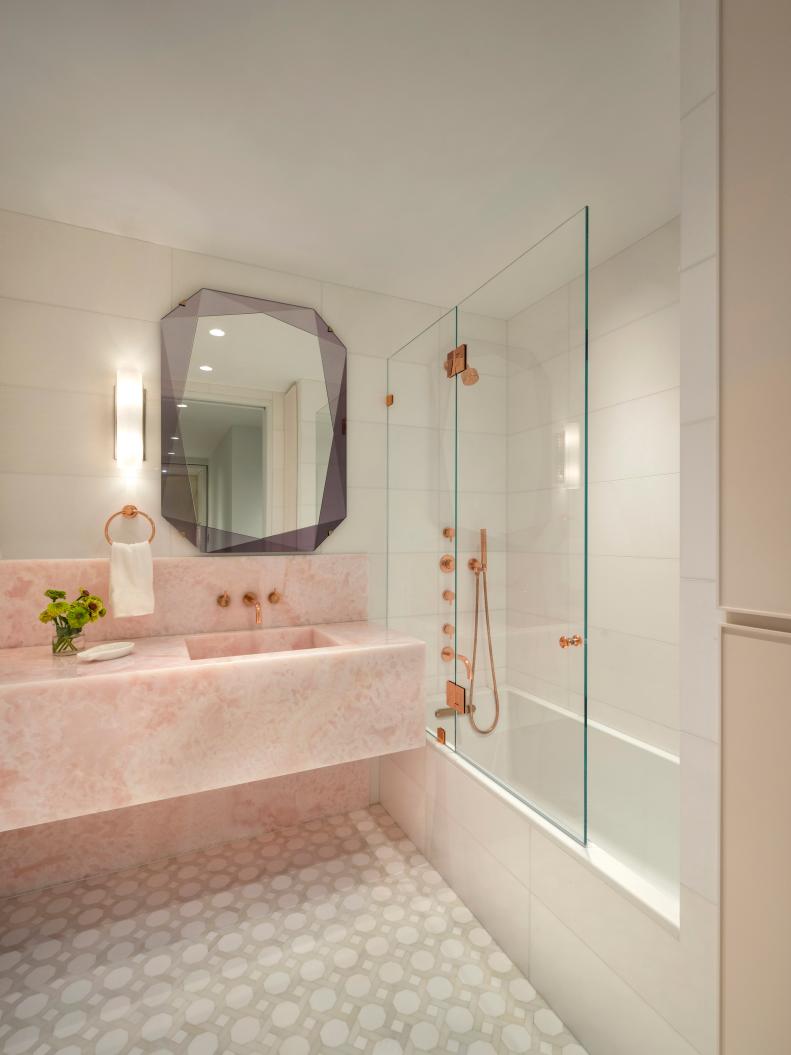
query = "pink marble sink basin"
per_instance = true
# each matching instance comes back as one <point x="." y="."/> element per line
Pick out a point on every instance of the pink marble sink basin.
<point x="181" y="715"/>
<point x="255" y="642"/>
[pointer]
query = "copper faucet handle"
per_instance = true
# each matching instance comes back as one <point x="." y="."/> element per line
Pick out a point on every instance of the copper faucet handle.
<point x="275" y="597"/>
<point x="570" y="642"/>
<point x="224" y="599"/>
<point x="250" y="598"/>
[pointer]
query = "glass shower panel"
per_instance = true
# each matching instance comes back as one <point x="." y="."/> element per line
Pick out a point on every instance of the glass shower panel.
<point x="521" y="526"/>
<point x="421" y="452"/>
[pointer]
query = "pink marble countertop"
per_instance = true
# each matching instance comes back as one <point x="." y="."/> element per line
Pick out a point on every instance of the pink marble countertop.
<point x="82" y="738"/>
<point x="36" y="663"/>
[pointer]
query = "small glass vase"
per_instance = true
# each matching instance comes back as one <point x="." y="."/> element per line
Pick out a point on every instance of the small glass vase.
<point x="67" y="642"/>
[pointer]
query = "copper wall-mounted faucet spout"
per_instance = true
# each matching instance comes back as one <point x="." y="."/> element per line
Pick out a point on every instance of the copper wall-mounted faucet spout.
<point x="252" y="599"/>
<point x="467" y="665"/>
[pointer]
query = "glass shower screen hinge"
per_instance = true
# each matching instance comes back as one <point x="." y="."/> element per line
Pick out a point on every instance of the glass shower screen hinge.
<point x="456" y="697"/>
<point x="456" y="361"/>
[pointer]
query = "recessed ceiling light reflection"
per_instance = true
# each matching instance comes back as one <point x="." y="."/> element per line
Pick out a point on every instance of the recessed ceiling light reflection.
<point x="217" y="332"/>
<point x="171" y="452"/>
<point x="182" y="406"/>
<point x="174" y="437"/>
<point x="207" y="368"/>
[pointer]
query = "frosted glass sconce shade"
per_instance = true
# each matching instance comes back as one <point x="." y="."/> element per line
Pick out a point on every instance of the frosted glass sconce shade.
<point x="129" y="418"/>
<point x="572" y="454"/>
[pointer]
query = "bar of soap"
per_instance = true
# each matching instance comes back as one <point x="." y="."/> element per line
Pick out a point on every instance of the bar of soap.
<point x="111" y="650"/>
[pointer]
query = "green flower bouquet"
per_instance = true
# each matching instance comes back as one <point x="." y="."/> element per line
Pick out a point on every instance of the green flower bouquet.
<point x="70" y="617"/>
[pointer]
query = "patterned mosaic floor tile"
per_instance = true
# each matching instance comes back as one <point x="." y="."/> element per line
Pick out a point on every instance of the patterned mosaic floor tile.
<point x="336" y="936"/>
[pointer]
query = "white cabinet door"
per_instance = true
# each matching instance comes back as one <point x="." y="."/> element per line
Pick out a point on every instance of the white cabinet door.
<point x="756" y="857"/>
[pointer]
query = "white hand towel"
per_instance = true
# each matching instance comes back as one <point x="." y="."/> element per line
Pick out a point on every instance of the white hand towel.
<point x="131" y="579"/>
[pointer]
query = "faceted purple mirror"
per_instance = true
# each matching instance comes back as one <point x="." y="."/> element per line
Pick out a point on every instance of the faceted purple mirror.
<point x="253" y="424"/>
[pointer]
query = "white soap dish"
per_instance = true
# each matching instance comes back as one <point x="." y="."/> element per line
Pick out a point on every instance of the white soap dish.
<point x="112" y="650"/>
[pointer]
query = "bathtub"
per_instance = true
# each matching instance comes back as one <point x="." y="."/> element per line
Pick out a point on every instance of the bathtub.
<point x="536" y="753"/>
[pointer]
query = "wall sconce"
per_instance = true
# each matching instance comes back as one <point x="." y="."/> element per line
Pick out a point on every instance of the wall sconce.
<point x="568" y="471"/>
<point x="130" y="419"/>
<point x="571" y="443"/>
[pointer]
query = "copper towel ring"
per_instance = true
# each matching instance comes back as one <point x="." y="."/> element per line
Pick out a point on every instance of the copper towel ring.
<point x="129" y="511"/>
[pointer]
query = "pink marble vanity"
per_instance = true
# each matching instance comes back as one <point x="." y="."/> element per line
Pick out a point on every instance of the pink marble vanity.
<point x="79" y="738"/>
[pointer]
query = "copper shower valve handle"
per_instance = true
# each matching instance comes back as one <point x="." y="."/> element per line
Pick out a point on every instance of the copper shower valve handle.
<point x="274" y="597"/>
<point x="449" y="629"/>
<point x="224" y="599"/>
<point x="570" y="642"/>
<point x="448" y="595"/>
<point x="447" y="562"/>
<point x="448" y="532"/>
<point x="447" y="653"/>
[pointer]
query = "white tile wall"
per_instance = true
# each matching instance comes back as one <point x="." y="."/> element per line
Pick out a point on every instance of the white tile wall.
<point x="636" y="595"/>
<point x="635" y="517"/>
<point x="633" y="481"/>
<point x="700" y="676"/>
<point x="636" y="438"/>
<point x="699" y="43"/>
<point x="637" y="282"/>
<point x="75" y="305"/>
<point x="54" y="263"/>
<point x="194" y="271"/>
<point x="699" y="349"/>
<point x="700" y="818"/>
<point x="602" y="1008"/>
<point x="699" y="182"/>
<point x="700" y="616"/>
<point x="699" y="508"/>
<point x="637" y="359"/>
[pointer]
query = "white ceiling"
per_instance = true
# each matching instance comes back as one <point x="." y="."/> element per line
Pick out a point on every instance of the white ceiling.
<point x="406" y="146"/>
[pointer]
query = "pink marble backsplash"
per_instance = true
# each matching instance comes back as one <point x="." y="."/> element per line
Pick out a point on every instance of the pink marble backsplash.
<point x="314" y="589"/>
<point x="116" y="839"/>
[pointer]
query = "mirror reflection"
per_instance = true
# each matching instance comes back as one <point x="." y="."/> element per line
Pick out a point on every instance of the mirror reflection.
<point x="249" y="454"/>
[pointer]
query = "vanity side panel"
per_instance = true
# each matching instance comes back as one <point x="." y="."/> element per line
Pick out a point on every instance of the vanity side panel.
<point x="45" y="854"/>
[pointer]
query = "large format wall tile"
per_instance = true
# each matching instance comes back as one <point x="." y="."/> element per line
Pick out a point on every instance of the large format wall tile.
<point x="601" y="1007"/>
<point x="638" y="438"/>
<point x="634" y="595"/>
<point x="699" y="198"/>
<point x="194" y="271"/>
<point x="672" y="973"/>
<point x="635" y="282"/>
<point x="55" y="263"/>
<point x="75" y="350"/>
<point x="372" y="323"/>
<point x="635" y="360"/>
<point x="634" y="517"/>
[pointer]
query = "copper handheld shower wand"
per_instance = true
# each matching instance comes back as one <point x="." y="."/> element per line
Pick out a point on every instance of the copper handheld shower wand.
<point x="479" y="567"/>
